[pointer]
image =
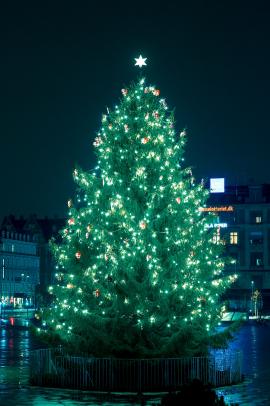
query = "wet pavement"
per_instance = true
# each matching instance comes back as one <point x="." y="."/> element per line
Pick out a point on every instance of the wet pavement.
<point x="16" y="343"/>
<point x="254" y="340"/>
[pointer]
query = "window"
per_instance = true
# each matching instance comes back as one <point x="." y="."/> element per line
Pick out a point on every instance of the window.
<point x="259" y="262"/>
<point x="256" y="238"/>
<point x="3" y="268"/>
<point x="256" y="259"/>
<point x="256" y="217"/>
<point x="233" y="237"/>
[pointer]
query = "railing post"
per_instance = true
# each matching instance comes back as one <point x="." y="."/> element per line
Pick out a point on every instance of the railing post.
<point x="54" y="366"/>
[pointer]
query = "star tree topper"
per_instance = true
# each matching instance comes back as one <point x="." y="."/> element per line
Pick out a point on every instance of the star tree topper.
<point x="140" y="61"/>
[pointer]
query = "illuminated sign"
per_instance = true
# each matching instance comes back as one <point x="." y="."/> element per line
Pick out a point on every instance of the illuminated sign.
<point x="216" y="225"/>
<point x="217" y="185"/>
<point x="221" y="208"/>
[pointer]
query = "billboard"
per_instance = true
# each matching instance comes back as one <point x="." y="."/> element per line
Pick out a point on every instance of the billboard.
<point x="217" y="185"/>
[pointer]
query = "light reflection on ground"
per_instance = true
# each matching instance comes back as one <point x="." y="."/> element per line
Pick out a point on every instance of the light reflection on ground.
<point x="15" y="345"/>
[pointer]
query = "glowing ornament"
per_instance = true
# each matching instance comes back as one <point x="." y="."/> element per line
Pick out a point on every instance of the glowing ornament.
<point x="70" y="286"/>
<point x="143" y="225"/>
<point x="156" y="92"/>
<point x="156" y="114"/>
<point x="146" y="116"/>
<point x="178" y="200"/>
<point x="163" y="103"/>
<point x="183" y="133"/>
<point x="78" y="255"/>
<point x="104" y="117"/>
<point x="89" y="227"/>
<point x="110" y="126"/>
<point x="145" y="140"/>
<point x="140" y="171"/>
<point x="75" y="172"/>
<point x="124" y="92"/>
<point x="97" y="293"/>
<point x="98" y="141"/>
<point x="66" y="231"/>
<point x="140" y="61"/>
<point x="126" y="128"/>
<point x="148" y="257"/>
<point x="146" y="90"/>
<point x="71" y="221"/>
<point x="69" y="203"/>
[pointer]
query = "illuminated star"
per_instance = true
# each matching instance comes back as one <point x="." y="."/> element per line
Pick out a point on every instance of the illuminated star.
<point x="140" y="61"/>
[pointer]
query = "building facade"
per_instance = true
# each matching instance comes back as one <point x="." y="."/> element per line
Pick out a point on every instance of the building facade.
<point x="19" y="269"/>
<point x="243" y="226"/>
<point x="27" y="265"/>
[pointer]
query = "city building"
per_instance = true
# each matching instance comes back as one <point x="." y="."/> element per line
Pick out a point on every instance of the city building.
<point x="243" y="226"/>
<point x="26" y="256"/>
<point x="19" y="269"/>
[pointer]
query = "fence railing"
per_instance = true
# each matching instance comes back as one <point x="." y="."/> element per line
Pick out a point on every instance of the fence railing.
<point x="54" y="367"/>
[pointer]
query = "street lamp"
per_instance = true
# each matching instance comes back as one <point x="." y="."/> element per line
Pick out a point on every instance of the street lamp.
<point x="252" y="297"/>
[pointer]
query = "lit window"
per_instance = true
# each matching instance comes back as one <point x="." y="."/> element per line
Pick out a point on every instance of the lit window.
<point x="233" y="237"/>
<point x="258" y="219"/>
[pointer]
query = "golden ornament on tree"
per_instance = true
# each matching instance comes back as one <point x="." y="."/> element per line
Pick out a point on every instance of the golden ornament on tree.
<point x="145" y="140"/>
<point x="97" y="293"/>
<point x="143" y="225"/>
<point x="156" y="92"/>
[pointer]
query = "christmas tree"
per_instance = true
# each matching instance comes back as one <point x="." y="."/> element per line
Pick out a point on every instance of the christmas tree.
<point x="139" y="273"/>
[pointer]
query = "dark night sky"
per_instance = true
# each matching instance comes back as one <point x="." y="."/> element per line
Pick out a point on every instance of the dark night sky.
<point x="61" y="65"/>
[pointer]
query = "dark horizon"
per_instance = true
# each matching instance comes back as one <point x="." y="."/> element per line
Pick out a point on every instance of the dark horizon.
<point x="62" y="66"/>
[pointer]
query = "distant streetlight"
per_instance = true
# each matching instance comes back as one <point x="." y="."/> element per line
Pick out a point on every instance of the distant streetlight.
<point x="252" y="297"/>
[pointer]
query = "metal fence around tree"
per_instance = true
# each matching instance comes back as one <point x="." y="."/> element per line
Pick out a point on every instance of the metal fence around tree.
<point x="56" y="368"/>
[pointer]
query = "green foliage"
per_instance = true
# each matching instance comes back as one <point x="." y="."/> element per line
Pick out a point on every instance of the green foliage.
<point x="138" y="272"/>
<point x="220" y="339"/>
